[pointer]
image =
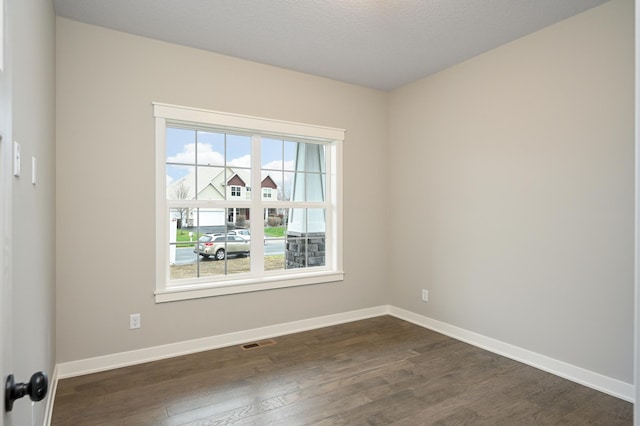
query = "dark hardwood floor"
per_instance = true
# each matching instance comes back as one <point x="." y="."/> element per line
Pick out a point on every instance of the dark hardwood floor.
<point x="377" y="371"/>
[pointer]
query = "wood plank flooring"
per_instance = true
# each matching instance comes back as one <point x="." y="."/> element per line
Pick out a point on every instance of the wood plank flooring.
<point x="379" y="371"/>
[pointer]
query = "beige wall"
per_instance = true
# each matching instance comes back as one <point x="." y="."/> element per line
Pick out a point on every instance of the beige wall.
<point x="106" y="82"/>
<point x="516" y="172"/>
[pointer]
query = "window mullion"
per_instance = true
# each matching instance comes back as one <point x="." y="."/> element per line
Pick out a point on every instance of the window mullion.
<point x="257" y="213"/>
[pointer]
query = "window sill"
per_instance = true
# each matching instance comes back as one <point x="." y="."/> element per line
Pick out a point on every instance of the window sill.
<point x="176" y="293"/>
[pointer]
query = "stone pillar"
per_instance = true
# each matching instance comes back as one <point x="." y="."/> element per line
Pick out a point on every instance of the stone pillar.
<point x="304" y="249"/>
<point x="305" y="240"/>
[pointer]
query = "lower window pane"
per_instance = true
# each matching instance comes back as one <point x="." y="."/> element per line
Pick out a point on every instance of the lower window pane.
<point x="305" y="239"/>
<point x="208" y="245"/>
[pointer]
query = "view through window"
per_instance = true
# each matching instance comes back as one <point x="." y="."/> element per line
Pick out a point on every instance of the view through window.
<point x="215" y="232"/>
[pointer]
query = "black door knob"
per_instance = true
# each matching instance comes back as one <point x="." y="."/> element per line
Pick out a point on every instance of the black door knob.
<point x="36" y="389"/>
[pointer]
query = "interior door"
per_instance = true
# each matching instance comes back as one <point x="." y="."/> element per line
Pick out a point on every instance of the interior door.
<point x="5" y="207"/>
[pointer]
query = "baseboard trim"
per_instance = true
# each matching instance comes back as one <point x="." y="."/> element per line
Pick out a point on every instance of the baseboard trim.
<point x="608" y="385"/>
<point x="562" y="369"/>
<point x="124" y="359"/>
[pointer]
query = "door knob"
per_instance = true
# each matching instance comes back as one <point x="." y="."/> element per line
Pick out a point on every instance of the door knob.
<point x="36" y="389"/>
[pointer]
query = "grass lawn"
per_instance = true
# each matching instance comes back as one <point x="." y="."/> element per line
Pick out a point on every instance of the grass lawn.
<point x="183" y="236"/>
<point x="274" y="231"/>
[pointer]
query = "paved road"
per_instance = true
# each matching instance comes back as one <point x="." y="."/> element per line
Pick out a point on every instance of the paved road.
<point x="186" y="255"/>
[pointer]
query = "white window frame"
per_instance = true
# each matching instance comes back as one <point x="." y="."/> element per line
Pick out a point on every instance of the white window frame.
<point x="167" y="115"/>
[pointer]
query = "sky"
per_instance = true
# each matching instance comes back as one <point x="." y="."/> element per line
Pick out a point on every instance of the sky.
<point x="210" y="148"/>
<point x="215" y="148"/>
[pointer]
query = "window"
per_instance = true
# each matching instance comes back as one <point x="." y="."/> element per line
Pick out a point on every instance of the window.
<point x="213" y="236"/>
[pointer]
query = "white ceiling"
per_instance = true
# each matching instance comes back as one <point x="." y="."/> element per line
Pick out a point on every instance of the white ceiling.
<point x="381" y="44"/>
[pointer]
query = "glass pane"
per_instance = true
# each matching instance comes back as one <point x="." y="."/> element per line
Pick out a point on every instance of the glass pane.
<point x="271" y="150"/>
<point x="296" y="253"/>
<point x="174" y="224"/>
<point x="181" y="146"/>
<point x="210" y="220"/>
<point x="238" y="184"/>
<point x="210" y="148"/>
<point x="315" y="187"/>
<point x="287" y="187"/>
<point x="181" y="220"/>
<point x="269" y="187"/>
<point x="290" y="152"/>
<point x="182" y="239"/>
<point x="238" y="150"/>
<point x="313" y="158"/>
<point x="316" y="250"/>
<point x="305" y="238"/>
<point x="322" y="164"/>
<point x="316" y="222"/>
<point x="274" y="233"/>
<point x="211" y="183"/>
<point x="238" y="217"/>
<point x="178" y="271"/>
<point x="223" y="251"/>
<point x="298" y="187"/>
<point x="300" y="176"/>
<point x="180" y="182"/>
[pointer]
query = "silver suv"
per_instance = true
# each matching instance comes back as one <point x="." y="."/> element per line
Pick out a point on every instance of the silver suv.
<point x="218" y="246"/>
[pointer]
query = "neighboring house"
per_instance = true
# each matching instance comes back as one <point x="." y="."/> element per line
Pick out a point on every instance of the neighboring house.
<point x="217" y="183"/>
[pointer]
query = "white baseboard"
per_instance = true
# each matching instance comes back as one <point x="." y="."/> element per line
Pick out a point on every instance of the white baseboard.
<point x="614" y="387"/>
<point x="124" y="359"/>
<point x="579" y="375"/>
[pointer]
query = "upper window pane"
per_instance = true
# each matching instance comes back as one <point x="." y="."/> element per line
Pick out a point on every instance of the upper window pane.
<point x="296" y="169"/>
<point x="223" y="165"/>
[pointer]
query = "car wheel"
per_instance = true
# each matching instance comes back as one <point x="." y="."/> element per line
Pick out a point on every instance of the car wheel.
<point x="220" y="254"/>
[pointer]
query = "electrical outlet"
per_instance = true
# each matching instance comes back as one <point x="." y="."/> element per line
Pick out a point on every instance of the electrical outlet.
<point x="425" y="295"/>
<point x="134" y="321"/>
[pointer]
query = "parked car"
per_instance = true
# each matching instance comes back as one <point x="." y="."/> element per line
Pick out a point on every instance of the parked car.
<point x="219" y="245"/>
<point x="244" y="233"/>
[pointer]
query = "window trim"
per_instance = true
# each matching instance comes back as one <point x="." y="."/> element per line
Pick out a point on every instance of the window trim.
<point x="165" y="115"/>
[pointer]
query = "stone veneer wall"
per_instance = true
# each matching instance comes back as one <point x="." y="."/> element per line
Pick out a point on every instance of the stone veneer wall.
<point x="304" y="249"/>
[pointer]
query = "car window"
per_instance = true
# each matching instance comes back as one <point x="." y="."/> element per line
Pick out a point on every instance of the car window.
<point x="205" y="238"/>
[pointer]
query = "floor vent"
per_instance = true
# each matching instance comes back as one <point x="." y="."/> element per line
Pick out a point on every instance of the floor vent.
<point x="256" y="345"/>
